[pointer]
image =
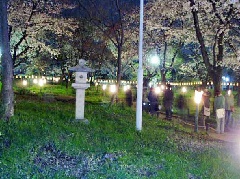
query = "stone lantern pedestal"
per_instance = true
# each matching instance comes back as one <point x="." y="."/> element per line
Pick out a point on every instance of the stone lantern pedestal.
<point x="80" y="85"/>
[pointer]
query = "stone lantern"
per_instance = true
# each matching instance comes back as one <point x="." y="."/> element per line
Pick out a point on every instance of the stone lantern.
<point x="80" y="85"/>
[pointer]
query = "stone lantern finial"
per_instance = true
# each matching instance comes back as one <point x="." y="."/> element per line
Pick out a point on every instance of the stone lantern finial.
<point x="82" y="63"/>
<point x="81" y="67"/>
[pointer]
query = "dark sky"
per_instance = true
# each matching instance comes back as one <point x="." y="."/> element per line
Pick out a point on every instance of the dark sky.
<point x="75" y="12"/>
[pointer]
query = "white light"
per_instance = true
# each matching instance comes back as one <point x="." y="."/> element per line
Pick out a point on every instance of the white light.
<point x="157" y="90"/>
<point x="155" y="60"/>
<point x="40" y="82"/>
<point x="229" y="92"/>
<point x="24" y="82"/>
<point x="198" y="96"/>
<point x="163" y="87"/>
<point x="184" y="89"/>
<point x="35" y="81"/>
<point x="127" y="87"/>
<point x="56" y="79"/>
<point x="150" y="84"/>
<point x="113" y="88"/>
<point x="44" y="81"/>
<point x="233" y="1"/>
<point x="104" y="87"/>
<point x="227" y="79"/>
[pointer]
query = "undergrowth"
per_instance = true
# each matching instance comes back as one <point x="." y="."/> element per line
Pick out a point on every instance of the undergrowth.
<point x="43" y="140"/>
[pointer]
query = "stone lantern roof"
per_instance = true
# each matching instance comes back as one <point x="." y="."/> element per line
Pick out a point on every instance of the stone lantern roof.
<point x="81" y="67"/>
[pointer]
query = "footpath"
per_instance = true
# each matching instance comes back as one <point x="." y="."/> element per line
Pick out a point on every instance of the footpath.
<point x="232" y="135"/>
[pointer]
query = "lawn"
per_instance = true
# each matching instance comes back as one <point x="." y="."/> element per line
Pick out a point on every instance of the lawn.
<point x="43" y="140"/>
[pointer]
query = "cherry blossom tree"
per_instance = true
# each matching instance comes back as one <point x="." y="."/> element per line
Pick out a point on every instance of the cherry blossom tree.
<point x="163" y="36"/>
<point x="233" y="63"/>
<point x="108" y="16"/>
<point x="213" y="22"/>
<point x="22" y="22"/>
<point x="209" y="22"/>
<point x="29" y="20"/>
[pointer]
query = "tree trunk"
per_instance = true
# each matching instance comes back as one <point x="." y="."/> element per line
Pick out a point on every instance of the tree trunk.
<point x="217" y="78"/>
<point x="163" y="70"/>
<point x="163" y="75"/>
<point x="7" y="65"/>
<point x="119" y="74"/>
<point x="214" y="71"/>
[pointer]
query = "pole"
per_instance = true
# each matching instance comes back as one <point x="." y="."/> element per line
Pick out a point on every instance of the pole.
<point x="140" y="73"/>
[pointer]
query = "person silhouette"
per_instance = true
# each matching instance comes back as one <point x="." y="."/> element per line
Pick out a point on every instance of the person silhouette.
<point x="168" y="101"/>
<point x="153" y="99"/>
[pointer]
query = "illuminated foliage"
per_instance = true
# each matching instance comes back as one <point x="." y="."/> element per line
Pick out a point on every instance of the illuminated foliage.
<point x="29" y="20"/>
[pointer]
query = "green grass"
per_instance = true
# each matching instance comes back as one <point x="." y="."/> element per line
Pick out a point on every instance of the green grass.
<point x="43" y="140"/>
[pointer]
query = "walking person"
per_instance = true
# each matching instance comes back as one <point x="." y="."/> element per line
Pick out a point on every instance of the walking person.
<point x="168" y="101"/>
<point x="153" y="99"/>
<point x="219" y="107"/>
<point x="129" y="97"/>
<point x="206" y="106"/>
<point x="229" y="108"/>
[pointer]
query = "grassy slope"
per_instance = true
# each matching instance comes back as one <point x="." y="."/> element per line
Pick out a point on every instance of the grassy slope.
<point x="43" y="141"/>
